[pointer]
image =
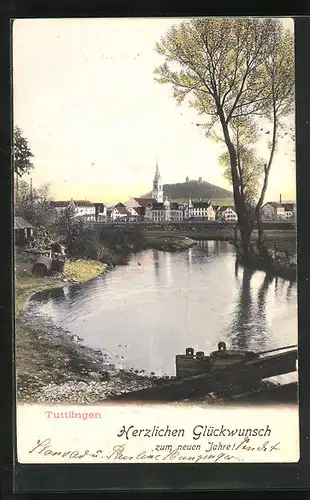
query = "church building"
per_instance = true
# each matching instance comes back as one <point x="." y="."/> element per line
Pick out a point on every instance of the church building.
<point x="157" y="208"/>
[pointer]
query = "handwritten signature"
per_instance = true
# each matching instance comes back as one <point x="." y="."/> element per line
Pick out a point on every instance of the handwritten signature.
<point x="119" y="452"/>
<point x="45" y="448"/>
<point x="215" y="452"/>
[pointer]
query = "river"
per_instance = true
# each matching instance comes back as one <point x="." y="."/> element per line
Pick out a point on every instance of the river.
<point x="144" y="313"/>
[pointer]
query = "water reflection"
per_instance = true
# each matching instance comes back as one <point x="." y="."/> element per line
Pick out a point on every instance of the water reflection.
<point x="149" y="311"/>
<point x="250" y="322"/>
<point x="290" y="289"/>
<point x="156" y="264"/>
<point x="237" y="267"/>
<point x="242" y="315"/>
<point x="188" y="257"/>
<point x="262" y="295"/>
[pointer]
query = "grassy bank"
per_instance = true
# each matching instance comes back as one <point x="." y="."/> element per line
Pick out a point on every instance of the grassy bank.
<point x="26" y="283"/>
<point x="52" y="365"/>
<point x="38" y="357"/>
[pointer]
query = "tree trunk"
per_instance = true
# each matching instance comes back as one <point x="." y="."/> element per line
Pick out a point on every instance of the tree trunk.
<point x="261" y="242"/>
<point x="246" y="233"/>
<point x="244" y="219"/>
<point x="236" y="244"/>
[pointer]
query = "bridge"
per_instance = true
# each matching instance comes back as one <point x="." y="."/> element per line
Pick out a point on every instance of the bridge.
<point x="187" y="226"/>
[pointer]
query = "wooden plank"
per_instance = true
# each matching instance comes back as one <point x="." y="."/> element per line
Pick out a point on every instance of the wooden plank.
<point x="220" y="381"/>
<point x="276" y="394"/>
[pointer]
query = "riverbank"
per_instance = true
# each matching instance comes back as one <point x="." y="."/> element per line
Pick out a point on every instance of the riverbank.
<point x="57" y="366"/>
<point x="26" y="283"/>
<point x="280" y="268"/>
<point x="52" y="365"/>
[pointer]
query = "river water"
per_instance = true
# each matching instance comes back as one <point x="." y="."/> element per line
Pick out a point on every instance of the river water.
<point x="146" y="312"/>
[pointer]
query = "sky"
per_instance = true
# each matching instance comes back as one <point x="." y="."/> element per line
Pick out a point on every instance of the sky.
<point x="85" y="97"/>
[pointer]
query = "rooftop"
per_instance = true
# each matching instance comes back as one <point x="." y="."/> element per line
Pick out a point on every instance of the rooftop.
<point x="145" y="201"/>
<point x="20" y="223"/>
<point x="77" y="203"/>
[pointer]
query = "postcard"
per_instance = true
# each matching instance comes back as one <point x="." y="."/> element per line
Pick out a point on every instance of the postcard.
<point x="155" y="240"/>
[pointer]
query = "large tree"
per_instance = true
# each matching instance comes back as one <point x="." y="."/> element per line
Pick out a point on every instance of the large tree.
<point x="21" y="159"/>
<point x="35" y="205"/>
<point x="22" y="154"/>
<point x="230" y="71"/>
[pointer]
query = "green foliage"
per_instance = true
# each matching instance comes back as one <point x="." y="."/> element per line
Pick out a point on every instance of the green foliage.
<point x="35" y="206"/>
<point x="21" y="153"/>
<point x="250" y="172"/>
<point x="72" y="229"/>
<point x="249" y="166"/>
<point x="234" y="72"/>
<point x="80" y="240"/>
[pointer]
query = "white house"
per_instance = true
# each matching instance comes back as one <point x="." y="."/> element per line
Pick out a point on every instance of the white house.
<point x="81" y="207"/>
<point x="164" y="212"/>
<point x="269" y="211"/>
<point x="226" y="213"/>
<point x="119" y="212"/>
<point x="136" y="213"/>
<point x="278" y="211"/>
<point x="289" y="210"/>
<point x="176" y="212"/>
<point x="158" y="212"/>
<point x="200" y="210"/>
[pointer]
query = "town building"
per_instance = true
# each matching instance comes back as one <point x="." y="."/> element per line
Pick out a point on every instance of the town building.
<point x="81" y="207"/>
<point x="119" y="213"/>
<point x="136" y="214"/>
<point x="289" y="210"/>
<point x="157" y="208"/>
<point x="164" y="212"/>
<point x="278" y="211"/>
<point x="272" y="211"/>
<point x="140" y="202"/>
<point x="226" y="213"/>
<point x="201" y="210"/>
<point x="176" y="212"/>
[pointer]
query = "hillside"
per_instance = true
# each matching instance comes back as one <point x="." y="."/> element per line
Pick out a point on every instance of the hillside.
<point x="194" y="189"/>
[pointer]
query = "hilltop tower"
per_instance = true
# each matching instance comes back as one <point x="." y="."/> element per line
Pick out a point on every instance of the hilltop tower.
<point x="158" y="189"/>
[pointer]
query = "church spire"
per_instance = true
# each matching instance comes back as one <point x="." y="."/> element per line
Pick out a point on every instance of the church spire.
<point x="157" y="174"/>
<point x="158" y="190"/>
